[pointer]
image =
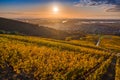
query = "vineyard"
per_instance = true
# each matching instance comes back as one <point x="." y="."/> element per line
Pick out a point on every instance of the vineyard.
<point x="33" y="58"/>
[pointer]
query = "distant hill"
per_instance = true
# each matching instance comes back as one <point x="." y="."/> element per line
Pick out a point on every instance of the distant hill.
<point x="97" y="28"/>
<point x="88" y="26"/>
<point x="30" y="29"/>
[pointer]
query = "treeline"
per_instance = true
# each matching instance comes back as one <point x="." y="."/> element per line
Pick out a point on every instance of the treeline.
<point x="10" y="32"/>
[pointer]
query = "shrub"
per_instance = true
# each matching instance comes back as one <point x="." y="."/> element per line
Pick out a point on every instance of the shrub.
<point x="2" y="32"/>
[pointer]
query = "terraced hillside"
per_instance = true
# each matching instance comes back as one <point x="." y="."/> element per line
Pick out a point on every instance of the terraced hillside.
<point x="33" y="58"/>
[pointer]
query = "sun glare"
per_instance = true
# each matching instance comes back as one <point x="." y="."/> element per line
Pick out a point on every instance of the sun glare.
<point x="55" y="9"/>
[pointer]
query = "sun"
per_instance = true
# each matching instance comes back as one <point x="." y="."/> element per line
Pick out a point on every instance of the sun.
<point x="55" y="9"/>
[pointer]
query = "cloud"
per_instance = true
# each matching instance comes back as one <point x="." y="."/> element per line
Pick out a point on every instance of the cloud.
<point x="114" y="9"/>
<point x="114" y="3"/>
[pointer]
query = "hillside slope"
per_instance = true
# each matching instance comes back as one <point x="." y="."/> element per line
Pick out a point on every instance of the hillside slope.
<point x="33" y="58"/>
<point x="30" y="29"/>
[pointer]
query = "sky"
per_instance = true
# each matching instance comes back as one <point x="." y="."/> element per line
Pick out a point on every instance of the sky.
<point x="99" y="9"/>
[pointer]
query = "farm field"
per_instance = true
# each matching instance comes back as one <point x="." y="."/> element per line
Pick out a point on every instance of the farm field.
<point x="33" y="58"/>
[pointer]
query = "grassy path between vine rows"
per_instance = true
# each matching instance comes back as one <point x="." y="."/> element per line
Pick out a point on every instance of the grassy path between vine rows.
<point x="110" y="74"/>
<point x="92" y="70"/>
